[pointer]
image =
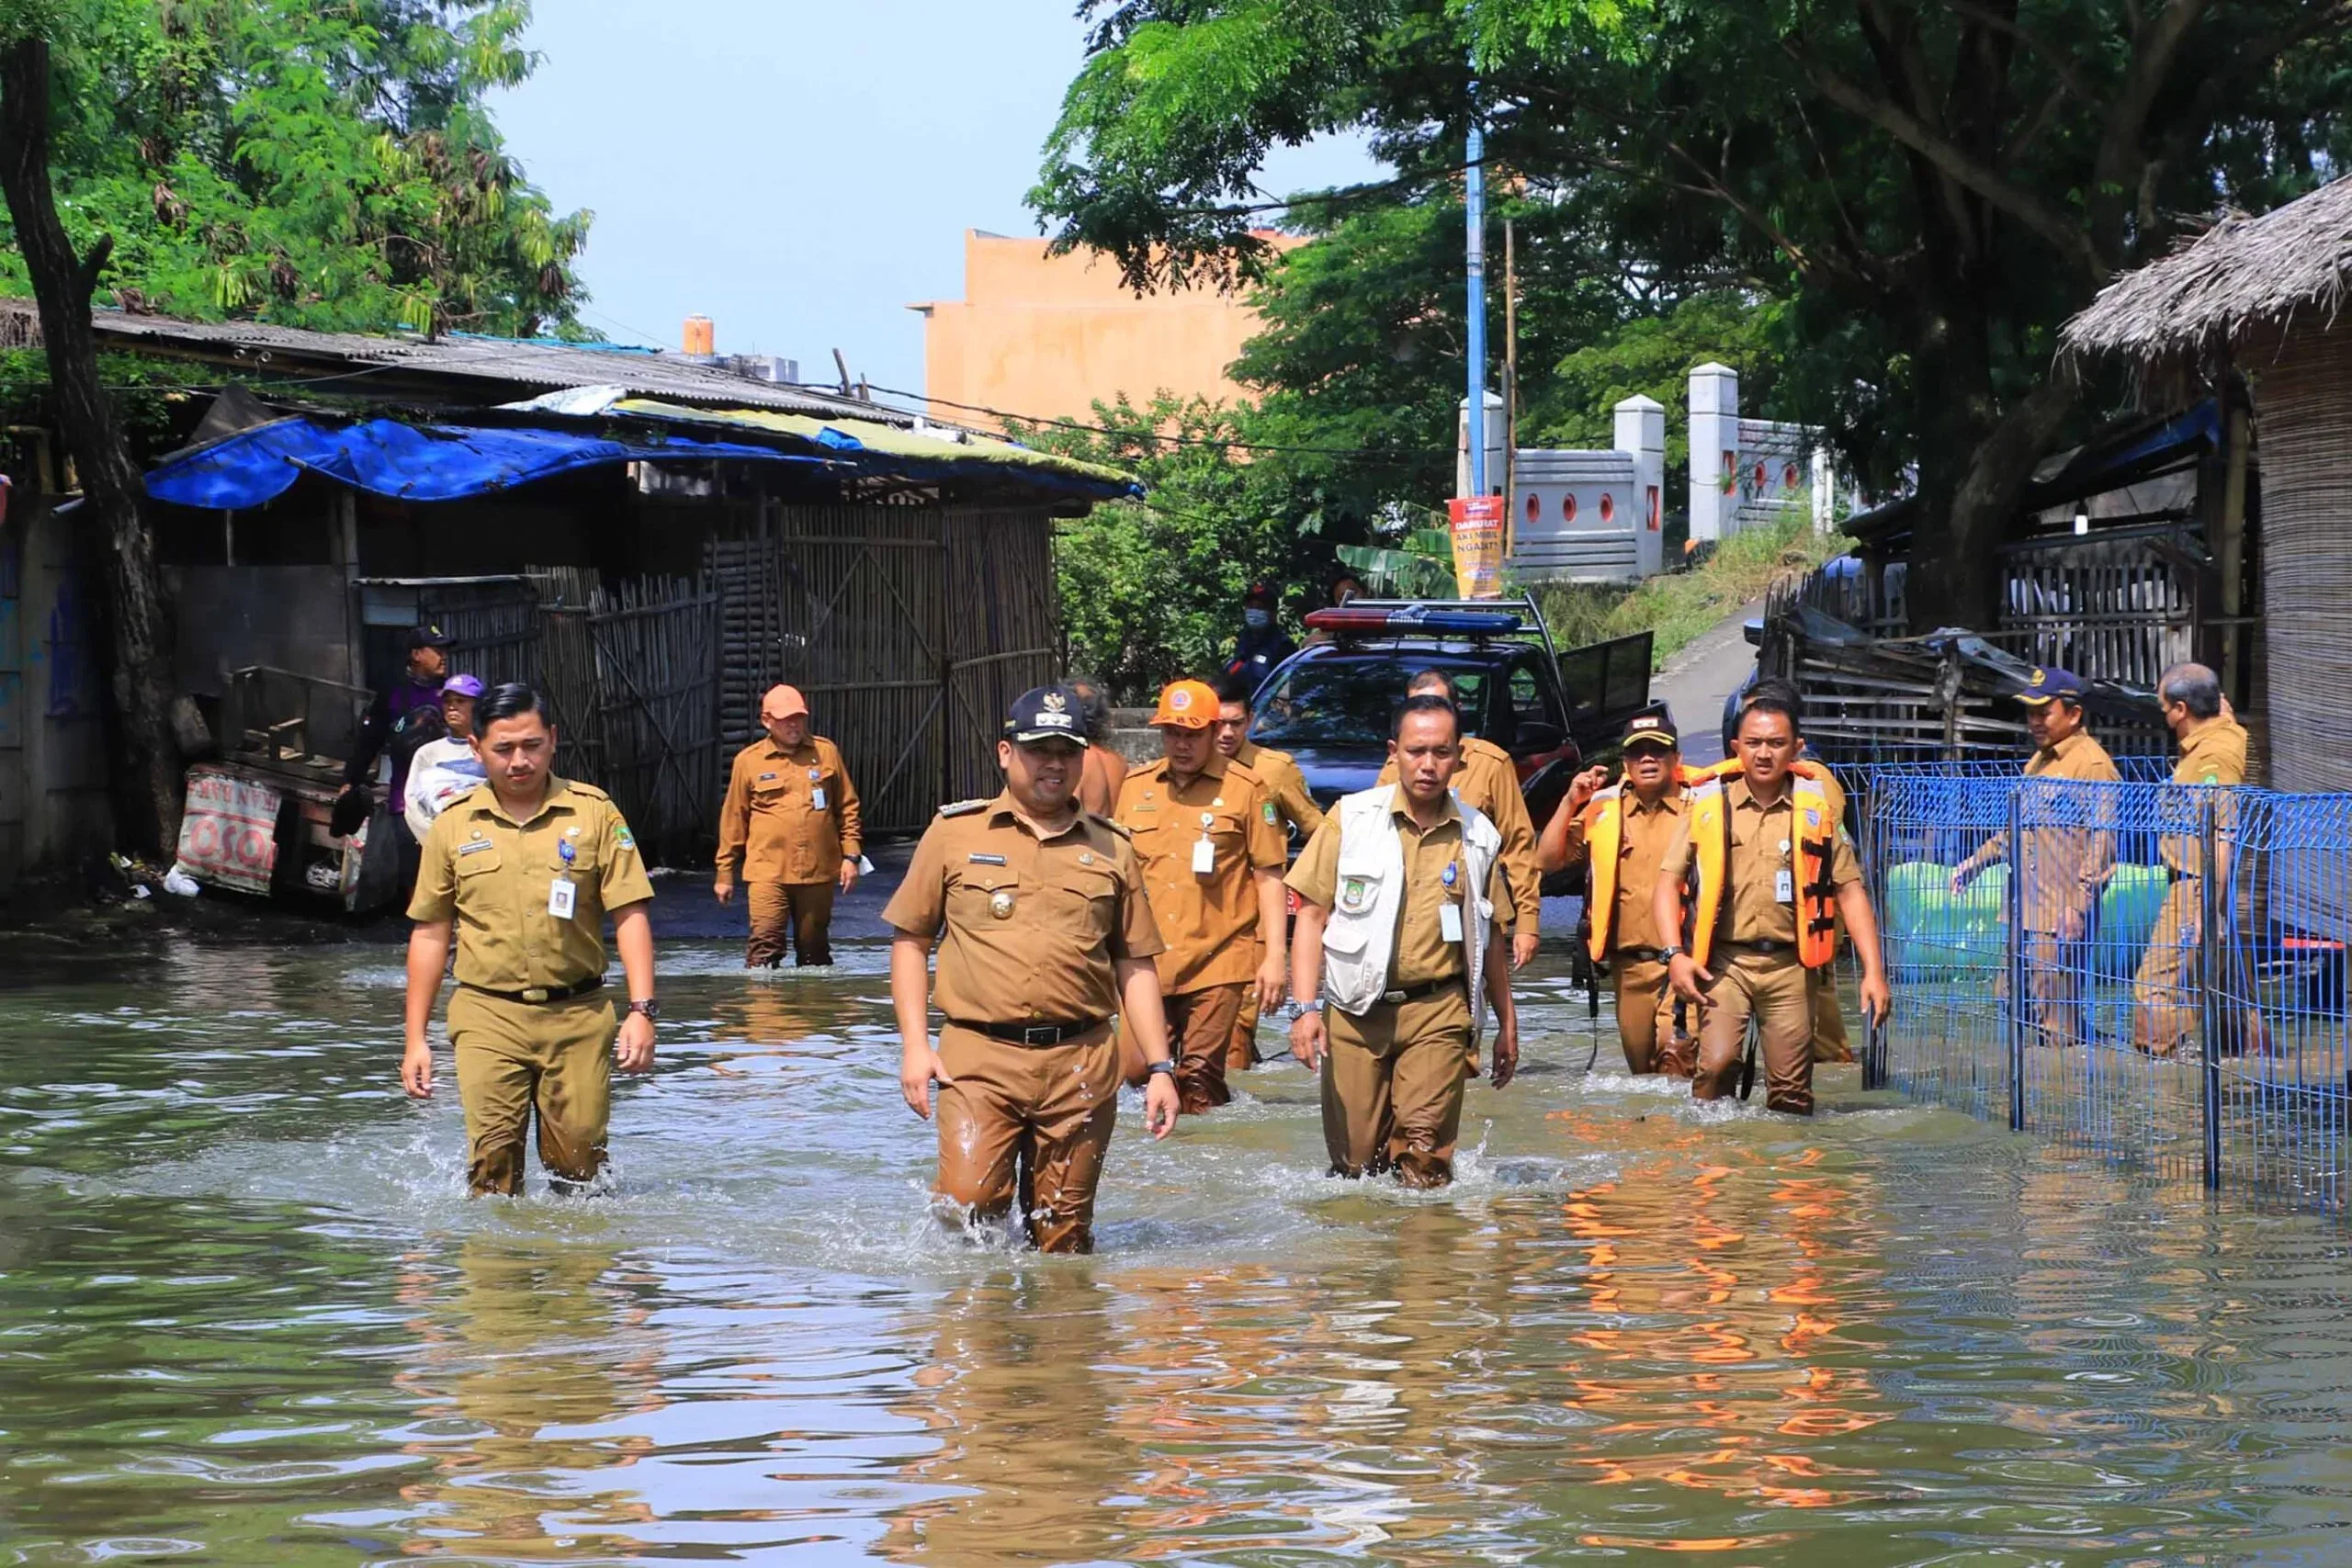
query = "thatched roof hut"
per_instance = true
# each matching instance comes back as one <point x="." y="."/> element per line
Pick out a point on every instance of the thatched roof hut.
<point x="2266" y="296"/>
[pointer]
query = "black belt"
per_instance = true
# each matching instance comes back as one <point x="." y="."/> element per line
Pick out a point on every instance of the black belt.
<point x="1767" y="949"/>
<point x="1033" y="1033"/>
<point x="1415" y="993"/>
<point x="540" y="993"/>
<point x="1646" y="954"/>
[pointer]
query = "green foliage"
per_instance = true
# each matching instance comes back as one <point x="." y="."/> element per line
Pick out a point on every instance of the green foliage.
<point x="331" y="166"/>
<point x="1680" y="606"/>
<point x="1929" y="187"/>
<point x="1423" y="567"/>
<point x="1651" y="355"/>
<point x="1151" y="590"/>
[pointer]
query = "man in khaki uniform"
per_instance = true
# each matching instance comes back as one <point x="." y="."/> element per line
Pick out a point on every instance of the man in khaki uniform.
<point x="2065" y="869"/>
<point x="1393" y="1075"/>
<point x="1105" y="770"/>
<point x="1487" y="780"/>
<point x="1761" y="960"/>
<point x="1295" y="809"/>
<point x="524" y="871"/>
<point x="2164" y="1006"/>
<point x="1211" y="853"/>
<point x="791" y="820"/>
<point x="1639" y="817"/>
<point x="1044" y="933"/>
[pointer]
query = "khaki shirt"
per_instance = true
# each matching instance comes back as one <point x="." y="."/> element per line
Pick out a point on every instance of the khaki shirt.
<point x="1487" y="781"/>
<point x="1210" y="923"/>
<point x="1099" y="774"/>
<point x="1421" y="953"/>
<point x="2065" y="867"/>
<point x="2212" y="753"/>
<point x="1292" y="801"/>
<point x="1761" y="840"/>
<point x="494" y="877"/>
<point x="1033" y="925"/>
<point x="1641" y="848"/>
<point x="772" y="820"/>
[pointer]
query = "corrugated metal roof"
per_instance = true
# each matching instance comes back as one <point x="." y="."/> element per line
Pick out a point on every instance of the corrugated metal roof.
<point x="500" y="365"/>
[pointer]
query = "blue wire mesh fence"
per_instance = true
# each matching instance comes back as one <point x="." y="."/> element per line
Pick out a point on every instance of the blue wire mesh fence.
<point x="2147" y="972"/>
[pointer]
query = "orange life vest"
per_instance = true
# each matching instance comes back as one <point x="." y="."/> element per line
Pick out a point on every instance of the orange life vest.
<point x="1604" y="838"/>
<point x="1810" y="856"/>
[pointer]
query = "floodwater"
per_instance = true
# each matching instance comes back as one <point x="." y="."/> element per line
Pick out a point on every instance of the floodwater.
<point x="246" y="1317"/>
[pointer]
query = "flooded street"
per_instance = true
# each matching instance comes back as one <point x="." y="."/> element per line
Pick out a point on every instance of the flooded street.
<point x="247" y="1317"/>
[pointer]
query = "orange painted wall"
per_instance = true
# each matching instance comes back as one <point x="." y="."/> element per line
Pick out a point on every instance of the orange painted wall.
<point x="1046" y="337"/>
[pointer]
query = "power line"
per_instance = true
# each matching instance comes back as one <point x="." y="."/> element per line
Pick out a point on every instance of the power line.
<point x="1141" y="436"/>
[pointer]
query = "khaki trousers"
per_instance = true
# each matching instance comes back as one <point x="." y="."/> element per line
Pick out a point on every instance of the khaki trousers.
<point x="1646" y="1017"/>
<point x="2162" y="999"/>
<point x="795" y="915"/>
<point x="517" y="1060"/>
<point x="1776" y="990"/>
<point x="1200" y="1033"/>
<point x="1242" y="1054"/>
<point x="1030" y="1123"/>
<point x="1391" y="1087"/>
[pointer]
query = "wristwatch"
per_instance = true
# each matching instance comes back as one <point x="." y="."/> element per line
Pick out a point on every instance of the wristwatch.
<point x="1167" y="1065"/>
<point x="1668" y="954"/>
<point x="1295" y="1010"/>
<point x="649" y="1007"/>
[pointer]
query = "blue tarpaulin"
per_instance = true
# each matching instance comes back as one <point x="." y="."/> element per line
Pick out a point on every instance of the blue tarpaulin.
<point x="409" y="462"/>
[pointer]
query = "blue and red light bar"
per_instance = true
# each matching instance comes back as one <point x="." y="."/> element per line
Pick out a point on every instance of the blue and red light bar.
<point x="1374" y="618"/>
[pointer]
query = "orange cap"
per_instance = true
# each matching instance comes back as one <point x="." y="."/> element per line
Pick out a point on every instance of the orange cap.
<point x="1187" y="705"/>
<point x="783" y="702"/>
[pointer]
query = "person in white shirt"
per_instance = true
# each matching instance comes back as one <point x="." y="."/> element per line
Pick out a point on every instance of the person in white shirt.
<point x="443" y="770"/>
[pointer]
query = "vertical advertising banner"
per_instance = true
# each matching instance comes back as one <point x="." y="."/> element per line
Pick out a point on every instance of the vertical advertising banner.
<point x="1477" y="525"/>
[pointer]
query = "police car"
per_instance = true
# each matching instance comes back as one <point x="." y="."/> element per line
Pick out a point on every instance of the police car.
<point x="1329" y="703"/>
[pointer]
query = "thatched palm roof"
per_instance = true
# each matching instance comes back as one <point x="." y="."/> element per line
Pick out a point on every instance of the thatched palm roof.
<point x="2243" y="273"/>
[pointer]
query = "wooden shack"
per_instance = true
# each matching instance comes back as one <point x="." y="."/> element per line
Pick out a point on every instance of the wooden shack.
<point x="716" y="533"/>
<point x="2259" y="300"/>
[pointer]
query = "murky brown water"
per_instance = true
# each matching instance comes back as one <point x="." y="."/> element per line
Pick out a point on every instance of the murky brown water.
<point x="246" y="1317"/>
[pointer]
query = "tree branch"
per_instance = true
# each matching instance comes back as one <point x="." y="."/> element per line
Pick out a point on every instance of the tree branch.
<point x="1956" y="165"/>
<point x="2060" y="62"/>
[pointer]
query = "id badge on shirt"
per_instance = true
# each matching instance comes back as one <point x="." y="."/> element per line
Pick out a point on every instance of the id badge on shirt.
<point x="1449" y="921"/>
<point x="1784" y="887"/>
<point x="817" y="797"/>
<point x="563" y="897"/>
<point x="1203" y="857"/>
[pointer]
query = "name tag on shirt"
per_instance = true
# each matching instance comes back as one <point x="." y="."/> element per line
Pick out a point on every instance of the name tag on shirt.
<point x="563" y="897"/>
<point x="817" y="798"/>
<point x="1204" y="858"/>
<point x="1449" y="921"/>
<point x="1784" y="887"/>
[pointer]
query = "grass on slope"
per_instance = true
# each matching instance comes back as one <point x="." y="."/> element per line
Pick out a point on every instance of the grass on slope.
<point x="1679" y="607"/>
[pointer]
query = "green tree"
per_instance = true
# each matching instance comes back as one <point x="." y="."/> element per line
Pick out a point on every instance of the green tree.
<point x="331" y="166"/>
<point x="1931" y="185"/>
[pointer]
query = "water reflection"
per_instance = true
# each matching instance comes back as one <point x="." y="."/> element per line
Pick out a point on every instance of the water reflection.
<point x="245" y="1315"/>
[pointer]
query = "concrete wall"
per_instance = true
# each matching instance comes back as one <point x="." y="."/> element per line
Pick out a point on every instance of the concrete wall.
<point x="1049" y="336"/>
<point x="53" y="804"/>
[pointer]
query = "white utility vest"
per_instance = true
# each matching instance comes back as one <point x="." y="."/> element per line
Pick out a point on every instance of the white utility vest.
<point x="1361" y="936"/>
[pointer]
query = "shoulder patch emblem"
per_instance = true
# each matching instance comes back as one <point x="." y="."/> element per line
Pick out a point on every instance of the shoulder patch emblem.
<point x="1272" y="816"/>
<point x="961" y="808"/>
<point x="623" y="837"/>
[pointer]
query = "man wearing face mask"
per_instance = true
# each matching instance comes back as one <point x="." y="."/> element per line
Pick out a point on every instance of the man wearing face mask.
<point x="1261" y="645"/>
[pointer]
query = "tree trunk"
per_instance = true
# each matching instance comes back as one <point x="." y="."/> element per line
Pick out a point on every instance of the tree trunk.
<point x="110" y="527"/>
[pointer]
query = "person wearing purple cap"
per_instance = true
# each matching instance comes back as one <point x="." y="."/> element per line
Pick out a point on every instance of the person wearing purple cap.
<point x="2064" y="869"/>
<point x="443" y="770"/>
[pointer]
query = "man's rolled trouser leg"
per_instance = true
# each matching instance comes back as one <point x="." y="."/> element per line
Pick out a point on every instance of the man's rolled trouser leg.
<point x="1429" y="1071"/>
<point x="1242" y="1054"/>
<point x="770" y="907"/>
<point x="1644" y="1017"/>
<point x="1075" y="1107"/>
<point x="575" y="1087"/>
<point x="2164" y="1012"/>
<point x="1200" y="1033"/>
<point x="1356" y="1093"/>
<point x="518" y="1057"/>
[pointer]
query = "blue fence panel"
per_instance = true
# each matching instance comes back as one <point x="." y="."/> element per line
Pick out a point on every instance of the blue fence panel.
<point x="2151" y="972"/>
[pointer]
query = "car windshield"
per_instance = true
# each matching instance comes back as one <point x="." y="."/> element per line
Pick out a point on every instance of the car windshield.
<point x="1348" y="701"/>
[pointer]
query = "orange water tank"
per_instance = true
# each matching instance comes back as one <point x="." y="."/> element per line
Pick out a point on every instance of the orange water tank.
<point x="700" y="337"/>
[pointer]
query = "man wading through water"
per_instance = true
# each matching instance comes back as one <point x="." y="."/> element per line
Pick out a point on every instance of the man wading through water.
<point x="1770" y="870"/>
<point x="1396" y="932"/>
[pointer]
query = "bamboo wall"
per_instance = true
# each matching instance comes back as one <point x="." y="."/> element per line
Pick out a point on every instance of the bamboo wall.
<point x="2302" y="406"/>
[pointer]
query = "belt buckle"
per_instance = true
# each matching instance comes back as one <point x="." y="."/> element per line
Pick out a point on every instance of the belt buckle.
<point x="1041" y="1034"/>
<point x="1392" y="997"/>
<point x="535" y="993"/>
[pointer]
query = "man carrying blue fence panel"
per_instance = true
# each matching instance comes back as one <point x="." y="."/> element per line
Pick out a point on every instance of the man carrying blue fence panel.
<point x="2064" y="868"/>
<point x="2165" y="1002"/>
<point x="1769" y="872"/>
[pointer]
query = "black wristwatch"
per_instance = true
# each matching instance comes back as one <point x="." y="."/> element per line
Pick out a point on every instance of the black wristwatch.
<point x="1168" y="1066"/>
<point x="1668" y="954"/>
<point x="649" y="1007"/>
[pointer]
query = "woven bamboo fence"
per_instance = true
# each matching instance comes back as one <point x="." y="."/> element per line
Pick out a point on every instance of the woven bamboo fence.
<point x="2303" y="403"/>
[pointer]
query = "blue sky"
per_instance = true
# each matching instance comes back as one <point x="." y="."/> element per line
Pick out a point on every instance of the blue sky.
<point x="801" y="173"/>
